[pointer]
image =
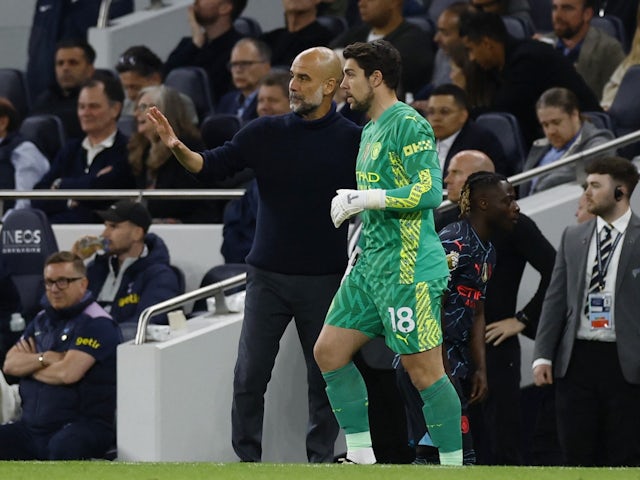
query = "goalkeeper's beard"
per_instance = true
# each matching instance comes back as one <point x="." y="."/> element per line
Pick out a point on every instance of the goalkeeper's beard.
<point x="362" y="105"/>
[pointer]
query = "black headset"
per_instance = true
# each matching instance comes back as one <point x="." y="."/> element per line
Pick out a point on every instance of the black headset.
<point x="618" y="193"/>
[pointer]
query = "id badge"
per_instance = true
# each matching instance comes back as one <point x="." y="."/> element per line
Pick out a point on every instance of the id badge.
<point x="600" y="310"/>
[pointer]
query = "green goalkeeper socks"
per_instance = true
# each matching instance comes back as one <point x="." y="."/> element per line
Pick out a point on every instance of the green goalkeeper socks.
<point x="442" y="414"/>
<point x="348" y="397"/>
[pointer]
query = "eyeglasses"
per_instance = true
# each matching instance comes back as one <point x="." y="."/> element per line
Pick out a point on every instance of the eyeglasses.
<point x="243" y="64"/>
<point x="482" y="6"/>
<point x="61" y="283"/>
<point x="142" y="107"/>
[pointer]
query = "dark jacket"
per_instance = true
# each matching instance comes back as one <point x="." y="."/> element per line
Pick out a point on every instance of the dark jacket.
<point x="213" y="57"/>
<point x="476" y="137"/>
<point x="233" y="100"/>
<point x="531" y="67"/>
<point x="62" y="104"/>
<point x="415" y="48"/>
<point x="85" y="327"/>
<point x="285" y="45"/>
<point x="149" y="280"/>
<point x="70" y="166"/>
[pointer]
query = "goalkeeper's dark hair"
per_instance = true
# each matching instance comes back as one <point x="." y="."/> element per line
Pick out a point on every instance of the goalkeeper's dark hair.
<point x="477" y="182"/>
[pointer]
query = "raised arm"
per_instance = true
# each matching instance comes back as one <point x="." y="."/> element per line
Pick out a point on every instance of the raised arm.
<point x="189" y="159"/>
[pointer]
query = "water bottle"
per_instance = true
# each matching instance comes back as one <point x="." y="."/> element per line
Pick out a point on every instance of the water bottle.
<point x="17" y="322"/>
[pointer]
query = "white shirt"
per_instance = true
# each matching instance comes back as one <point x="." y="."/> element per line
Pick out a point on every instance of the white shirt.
<point x="443" y="147"/>
<point x="94" y="150"/>
<point x="584" y="331"/>
<point x="619" y="229"/>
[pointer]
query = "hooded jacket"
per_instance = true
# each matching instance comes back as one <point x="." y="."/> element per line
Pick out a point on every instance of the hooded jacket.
<point x="147" y="281"/>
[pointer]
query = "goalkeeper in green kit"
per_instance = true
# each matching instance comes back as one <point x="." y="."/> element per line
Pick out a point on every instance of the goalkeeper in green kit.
<point x="395" y="289"/>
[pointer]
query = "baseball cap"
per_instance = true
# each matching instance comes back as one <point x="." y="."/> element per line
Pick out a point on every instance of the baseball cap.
<point x="127" y="210"/>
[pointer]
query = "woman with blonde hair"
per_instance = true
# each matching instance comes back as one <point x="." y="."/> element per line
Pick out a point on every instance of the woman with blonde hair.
<point x="633" y="58"/>
<point x="155" y="167"/>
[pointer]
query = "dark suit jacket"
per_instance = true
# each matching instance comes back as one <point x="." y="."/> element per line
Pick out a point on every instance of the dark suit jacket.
<point x="564" y="302"/>
<point x="476" y="137"/>
<point x="231" y="102"/>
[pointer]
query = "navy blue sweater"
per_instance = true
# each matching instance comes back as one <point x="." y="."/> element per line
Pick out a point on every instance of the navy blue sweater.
<point x="298" y="165"/>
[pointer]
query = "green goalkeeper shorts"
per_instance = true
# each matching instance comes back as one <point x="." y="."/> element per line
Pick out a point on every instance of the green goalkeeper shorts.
<point x="408" y="316"/>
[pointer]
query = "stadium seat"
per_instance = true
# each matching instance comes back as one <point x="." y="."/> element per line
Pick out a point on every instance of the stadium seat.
<point x="27" y="240"/>
<point x="194" y="82"/>
<point x="611" y="25"/>
<point x="436" y="8"/>
<point x="516" y="27"/>
<point x="217" y="274"/>
<point x="625" y="109"/>
<point x="46" y="132"/>
<point x="423" y="22"/>
<point x="14" y="87"/>
<point x="335" y="24"/>
<point x="541" y="15"/>
<point x="248" y="27"/>
<point x="506" y="128"/>
<point x="218" y="128"/>
<point x="127" y="124"/>
<point x="600" y="120"/>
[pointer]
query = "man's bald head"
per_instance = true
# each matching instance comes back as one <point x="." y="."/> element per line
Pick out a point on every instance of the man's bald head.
<point x="462" y="165"/>
<point x="316" y="74"/>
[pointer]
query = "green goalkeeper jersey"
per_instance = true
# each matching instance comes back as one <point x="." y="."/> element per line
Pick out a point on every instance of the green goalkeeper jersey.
<point x="397" y="153"/>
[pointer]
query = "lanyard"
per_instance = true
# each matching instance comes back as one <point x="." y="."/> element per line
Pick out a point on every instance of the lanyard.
<point x="603" y="268"/>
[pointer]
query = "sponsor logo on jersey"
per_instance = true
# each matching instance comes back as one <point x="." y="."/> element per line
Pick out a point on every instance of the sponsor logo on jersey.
<point x="417" y="147"/>
<point x="132" y="298"/>
<point x="369" y="177"/>
<point x="88" y="342"/>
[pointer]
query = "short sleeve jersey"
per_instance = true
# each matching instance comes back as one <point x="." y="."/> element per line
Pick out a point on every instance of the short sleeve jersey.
<point x="471" y="264"/>
<point x="397" y="154"/>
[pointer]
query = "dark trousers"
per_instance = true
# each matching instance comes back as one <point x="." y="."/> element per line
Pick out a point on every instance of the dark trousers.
<point x="597" y="409"/>
<point x="272" y="300"/>
<point x="74" y="441"/>
<point x="497" y="430"/>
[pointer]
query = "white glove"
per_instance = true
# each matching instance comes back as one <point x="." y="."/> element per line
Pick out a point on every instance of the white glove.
<point x="348" y="203"/>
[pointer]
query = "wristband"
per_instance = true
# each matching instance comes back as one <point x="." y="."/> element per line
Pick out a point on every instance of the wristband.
<point x="522" y="318"/>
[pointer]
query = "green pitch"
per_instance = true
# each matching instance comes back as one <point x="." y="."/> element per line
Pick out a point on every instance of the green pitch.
<point x="245" y="471"/>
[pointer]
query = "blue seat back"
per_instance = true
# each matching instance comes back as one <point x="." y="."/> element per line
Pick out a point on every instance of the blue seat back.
<point x="218" y="128"/>
<point x="506" y="128"/>
<point x="27" y="240"/>
<point x="194" y="82"/>
<point x="625" y="109"/>
<point x="46" y="131"/>
<point x="248" y="27"/>
<point x="13" y="86"/>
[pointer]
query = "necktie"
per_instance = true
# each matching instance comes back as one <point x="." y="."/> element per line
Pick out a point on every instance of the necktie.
<point x="597" y="277"/>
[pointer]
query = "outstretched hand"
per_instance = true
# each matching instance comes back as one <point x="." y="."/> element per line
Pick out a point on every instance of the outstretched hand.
<point x="163" y="128"/>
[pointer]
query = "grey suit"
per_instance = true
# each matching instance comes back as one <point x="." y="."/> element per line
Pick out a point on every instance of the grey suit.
<point x="589" y="137"/>
<point x="597" y="383"/>
<point x="599" y="56"/>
